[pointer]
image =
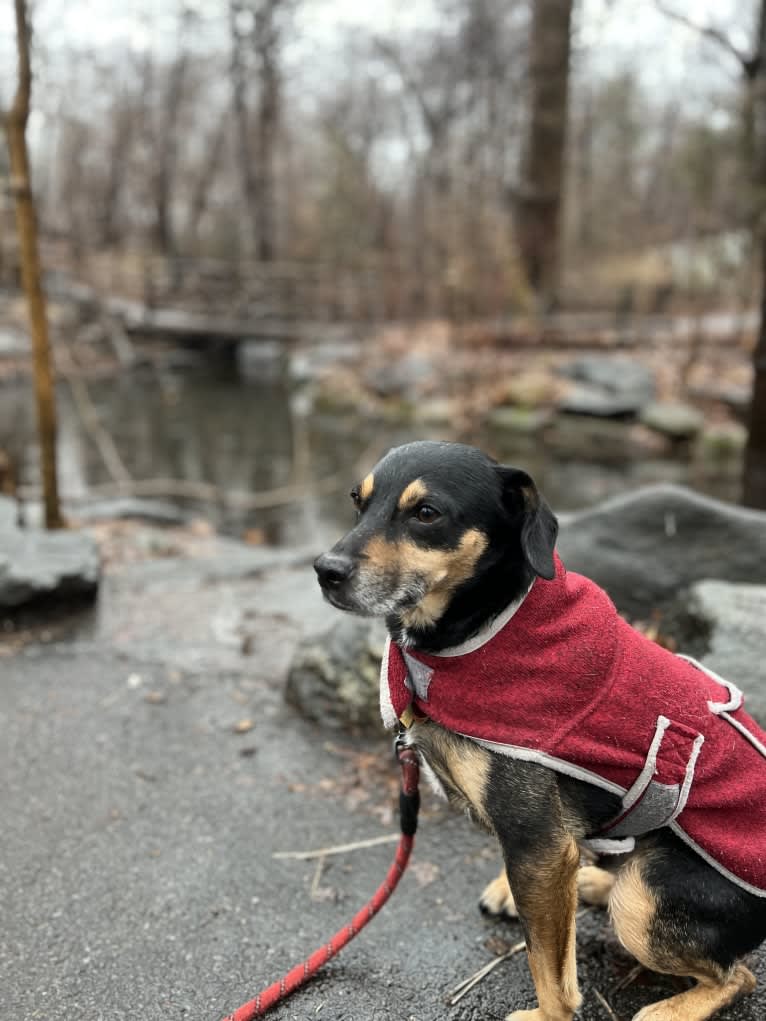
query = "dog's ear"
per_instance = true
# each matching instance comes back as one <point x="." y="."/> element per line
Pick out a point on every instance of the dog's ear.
<point x="539" y="526"/>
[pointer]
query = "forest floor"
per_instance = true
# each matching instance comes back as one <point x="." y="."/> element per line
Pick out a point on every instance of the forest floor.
<point x="152" y="771"/>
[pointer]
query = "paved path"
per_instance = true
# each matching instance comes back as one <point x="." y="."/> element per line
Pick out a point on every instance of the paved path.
<point x="136" y="871"/>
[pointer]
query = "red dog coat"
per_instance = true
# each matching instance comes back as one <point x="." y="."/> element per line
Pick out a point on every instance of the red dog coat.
<point x="560" y="679"/>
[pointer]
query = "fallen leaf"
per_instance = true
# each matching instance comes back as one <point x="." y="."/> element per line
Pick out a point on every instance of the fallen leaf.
<point x="243" y="726"/>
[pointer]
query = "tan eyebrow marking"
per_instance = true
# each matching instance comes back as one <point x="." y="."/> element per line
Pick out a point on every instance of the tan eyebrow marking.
<point x="412" y="493"/>
<point x="367" y="486"/>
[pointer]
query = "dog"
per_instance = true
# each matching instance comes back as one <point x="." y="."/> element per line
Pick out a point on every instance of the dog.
<point x="537" y="710"/>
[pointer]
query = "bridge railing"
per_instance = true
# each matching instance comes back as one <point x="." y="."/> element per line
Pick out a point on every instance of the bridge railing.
<point x="374" y="290"/>
<point x="306" y="291"/>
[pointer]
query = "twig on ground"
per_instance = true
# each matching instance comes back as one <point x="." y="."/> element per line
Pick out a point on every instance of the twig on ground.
<point x="603" y="1001"/>
<point x="322" y="852"/>
<point x="317" y="878"/>
<point x="629" y="978"/>
<point x="460" y="990"/>
<point x="456" y="994"/>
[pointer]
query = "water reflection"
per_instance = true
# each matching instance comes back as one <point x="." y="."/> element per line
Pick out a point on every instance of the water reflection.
<point x="209" y="426"/>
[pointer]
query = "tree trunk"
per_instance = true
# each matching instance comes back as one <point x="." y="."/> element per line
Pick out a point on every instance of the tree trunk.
<point x="266" y="40"/>
<point x="538" y="198"/>
<point x="200" y="196"/>
<point x="238" y="72"/>
<point x="754" y="477"/>
<point x="118" y="168"/>
<point x="26" y="223"/>
<point x="167" y="144"/>
<point x="754" y="482"/>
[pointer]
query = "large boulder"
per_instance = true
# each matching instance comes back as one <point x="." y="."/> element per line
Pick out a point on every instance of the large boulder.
<point x="675" y="419"/>
<point x="647" y="546"/>
<point x="36" y="565"/>
<point x="334" y="677"/>
<point x="732" y="619"/>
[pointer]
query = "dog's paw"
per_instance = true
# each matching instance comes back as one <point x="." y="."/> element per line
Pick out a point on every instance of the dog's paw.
<point x="594" y="885"/>
<point x="497" y="899"/>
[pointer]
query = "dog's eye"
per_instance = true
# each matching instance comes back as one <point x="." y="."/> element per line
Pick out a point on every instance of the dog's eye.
<point x="427" y="514"/>
<point x="357" y="499"/>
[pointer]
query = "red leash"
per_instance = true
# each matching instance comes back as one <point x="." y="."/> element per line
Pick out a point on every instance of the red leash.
<point x="409" y="803"/>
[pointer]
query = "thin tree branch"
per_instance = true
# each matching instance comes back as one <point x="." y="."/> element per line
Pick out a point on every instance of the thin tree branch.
<point x="716" y="35"/>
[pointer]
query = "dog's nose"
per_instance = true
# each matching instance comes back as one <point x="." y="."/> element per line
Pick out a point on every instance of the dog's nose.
<point x="333" y="569"/>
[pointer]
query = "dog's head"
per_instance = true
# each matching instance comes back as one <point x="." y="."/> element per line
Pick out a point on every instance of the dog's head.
<point x="434" y="519"/>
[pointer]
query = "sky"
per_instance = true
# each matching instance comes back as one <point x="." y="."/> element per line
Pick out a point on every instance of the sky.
<point x="610" y="33"/>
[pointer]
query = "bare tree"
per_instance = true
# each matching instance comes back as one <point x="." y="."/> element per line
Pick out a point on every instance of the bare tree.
<point x="434" y="90"/>
<point x="122" y="138"/>
<point x="255" y="32"/>
<point x="206" y="175"/>
<point x="15" y="120"/>
<point x="266" y="41"/>
<point x="537" y="199"/>
<point x="167" y="140"/>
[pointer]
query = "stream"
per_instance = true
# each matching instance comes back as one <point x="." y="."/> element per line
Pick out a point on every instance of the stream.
<point x="207" y="425"/>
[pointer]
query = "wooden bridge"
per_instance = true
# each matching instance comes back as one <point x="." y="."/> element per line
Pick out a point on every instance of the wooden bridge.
<point x="195" y="299"/>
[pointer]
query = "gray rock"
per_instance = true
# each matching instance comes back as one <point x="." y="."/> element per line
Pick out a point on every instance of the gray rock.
<point x="607" y="387"/>
<point x="672" y="418"/>
<point x="646" y="546"/>
<point x="578" y="436"/>
<point x="159" y="512"/>
<point x="734" y="618"/>
<point x="334" y="677"/>
<point x="44" y="564"/>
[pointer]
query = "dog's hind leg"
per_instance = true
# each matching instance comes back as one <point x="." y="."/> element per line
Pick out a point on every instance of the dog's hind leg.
<point x="662" y="938"/>
<point x="497" y="900"/>
<point x="595" y="885"/>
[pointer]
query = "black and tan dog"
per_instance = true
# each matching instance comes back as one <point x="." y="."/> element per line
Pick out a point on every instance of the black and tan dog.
<point x="448" y="545"/>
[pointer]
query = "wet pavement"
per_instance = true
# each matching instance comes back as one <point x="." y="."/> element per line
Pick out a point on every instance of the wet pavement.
<point x="150" y="772"/>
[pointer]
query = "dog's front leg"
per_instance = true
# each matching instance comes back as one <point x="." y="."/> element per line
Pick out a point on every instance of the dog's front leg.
<point x="545" y="890"/>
